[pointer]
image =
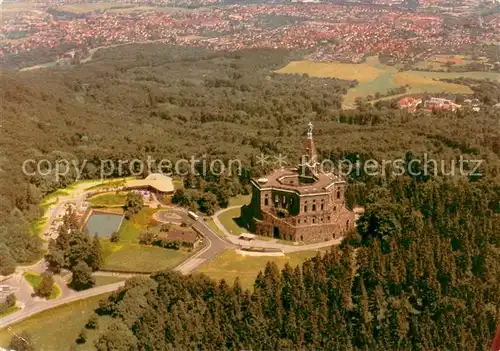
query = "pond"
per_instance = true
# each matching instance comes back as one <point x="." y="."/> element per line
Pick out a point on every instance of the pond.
<point x="103" y="224"/>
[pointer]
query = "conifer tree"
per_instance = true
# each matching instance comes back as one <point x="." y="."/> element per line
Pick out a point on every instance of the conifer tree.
<point x="82" y="276"/>
<point x="96" y="254"/>
<point x="44" y="289"/>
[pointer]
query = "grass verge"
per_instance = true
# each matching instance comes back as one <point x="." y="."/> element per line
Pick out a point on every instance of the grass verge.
<point x="230" y="220"/>
<point x="230" y="265"/>
<point x="57" y="328"/>
<point x="9" y="310"/>
<point x="210" y="222"/>
<point x="34" y="280"/>
<point x="108" y="200"/>
<point x="101" y="280"/>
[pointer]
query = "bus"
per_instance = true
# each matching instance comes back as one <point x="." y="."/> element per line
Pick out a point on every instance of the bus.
<point x="193" y="215"/>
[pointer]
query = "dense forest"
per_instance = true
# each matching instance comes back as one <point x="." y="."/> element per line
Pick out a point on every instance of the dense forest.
<point x="422" y="272"/>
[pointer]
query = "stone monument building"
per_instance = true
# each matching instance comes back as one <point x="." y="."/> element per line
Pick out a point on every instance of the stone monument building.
<point x="300" y="204"/>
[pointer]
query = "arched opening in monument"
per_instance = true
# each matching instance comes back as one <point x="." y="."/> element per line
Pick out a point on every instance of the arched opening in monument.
<point x="276" y="232"/>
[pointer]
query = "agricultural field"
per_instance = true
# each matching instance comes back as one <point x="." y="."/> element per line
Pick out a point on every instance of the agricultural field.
<point x="453" y="75"/>
<point x="93" y="6"/>
<point x="428" y="82"/>
<point x="45" y="328"/>
<point x="109" y="7"/>
<point x="135" y="8"/>
<point x="440" y="62"/>
<point x="361" y="72"/>
<point x="374" y="77"/>
<point x="21" y="6"/>
<point x="229" y="265"/>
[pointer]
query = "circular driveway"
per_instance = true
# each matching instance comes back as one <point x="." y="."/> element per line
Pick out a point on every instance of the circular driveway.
<point x="171" y="215"/>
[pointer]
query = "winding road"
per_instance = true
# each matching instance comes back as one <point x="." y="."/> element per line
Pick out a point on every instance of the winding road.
<point x="214" y="245"/>
<point x="46" y="305"/>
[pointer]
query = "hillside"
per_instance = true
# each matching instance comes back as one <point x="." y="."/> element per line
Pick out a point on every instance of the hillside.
<point x="161" y="101"/>
<point x="421" y="272"/>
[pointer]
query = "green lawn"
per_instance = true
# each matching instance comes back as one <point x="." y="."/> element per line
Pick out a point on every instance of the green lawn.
<point x="110" y="184"/>
<point x="240" y="200"/>
<point x="37" y="227"/>
<point x="108" y="200"/>
<point x="49" y="200"/>
<point x="131" y="229"/>
<point x="80" y="182"/>
<point x="105" y="280"/>
<point x="57" y="328"/>
<point x="52" y="197"/>
<point x="128" y="255"/>
<point x="230" y="265"/>
<point x="229" y="220"/>
<point x="140" y="258"/>
<point x="34" y="280"/>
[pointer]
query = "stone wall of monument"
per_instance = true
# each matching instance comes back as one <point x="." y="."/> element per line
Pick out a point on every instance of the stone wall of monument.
<point x="271" y="225"/>
<point x="310" y="218"/>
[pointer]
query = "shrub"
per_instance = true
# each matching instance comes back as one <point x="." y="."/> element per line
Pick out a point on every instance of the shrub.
<point x="92" y="322"/>
<point x="82" y="337"/>
<point x="165" y="227"/>
<point x="115" y="236"/>
<point x="146" y="238"/>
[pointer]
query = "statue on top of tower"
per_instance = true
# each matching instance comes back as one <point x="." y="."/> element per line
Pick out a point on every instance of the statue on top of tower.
<point x="309" y="130"/>
<point x="309" y="160"/>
